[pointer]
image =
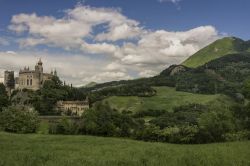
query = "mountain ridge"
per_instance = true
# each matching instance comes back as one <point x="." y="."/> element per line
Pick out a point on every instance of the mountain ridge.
<point x="217" y="49"/>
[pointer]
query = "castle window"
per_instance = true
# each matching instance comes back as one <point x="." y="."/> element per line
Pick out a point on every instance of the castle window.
<point x="28" y="81"/>
<point x="31" y="82"/>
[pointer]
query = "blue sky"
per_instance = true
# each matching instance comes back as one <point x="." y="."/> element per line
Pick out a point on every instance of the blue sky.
<point x="229" y="16"/>
<point x="122" y="42"/>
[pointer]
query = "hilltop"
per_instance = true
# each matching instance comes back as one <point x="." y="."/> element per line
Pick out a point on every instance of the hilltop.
<point x="219" y="48"/>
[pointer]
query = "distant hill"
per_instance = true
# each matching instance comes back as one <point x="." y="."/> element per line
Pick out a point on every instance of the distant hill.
<point x="219" y="68"/>
<point x="91" y="84"/>
<point x="219" y="48"/>
<point x="223" y="75"/>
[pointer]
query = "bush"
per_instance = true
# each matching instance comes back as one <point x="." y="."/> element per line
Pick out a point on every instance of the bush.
<point x="64" y="126"/>
<point x="4" y="99"/>
<point x="149" y="112"/>
<point x="214" y="124"/>
<point x="19" y="120"/>
<point x="105" y="121"/>
<point x="237" y="136"/>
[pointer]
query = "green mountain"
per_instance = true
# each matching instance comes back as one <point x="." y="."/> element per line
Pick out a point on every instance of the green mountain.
<point x="217" y="49"/>
<point x="91" y="84"/>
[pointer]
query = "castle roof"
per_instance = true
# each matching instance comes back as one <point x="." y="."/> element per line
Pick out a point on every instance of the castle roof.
<point x="40" y="62"/>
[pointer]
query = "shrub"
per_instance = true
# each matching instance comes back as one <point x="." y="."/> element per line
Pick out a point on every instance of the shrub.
<point x="214" y="124"/>
<point x="149" y="112"/>
<point x="237" y="136"/>
<point x="4" y="100"/>
<point x="64" y="126"/>
<point x="19" y="119"/>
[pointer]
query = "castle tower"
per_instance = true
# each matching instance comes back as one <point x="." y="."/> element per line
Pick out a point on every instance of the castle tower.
<point x="39" y="71"/>
<point x="9" y="81"/>
<point x="39" y="66"/>
<point x="55" y="73"/>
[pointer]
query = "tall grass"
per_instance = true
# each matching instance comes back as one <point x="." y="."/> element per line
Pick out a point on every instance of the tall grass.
<point x="49" y="150"/>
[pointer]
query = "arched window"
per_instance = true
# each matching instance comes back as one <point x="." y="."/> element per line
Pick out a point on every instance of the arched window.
<point x="31" y="82"/>
<point x="28" y="81"/>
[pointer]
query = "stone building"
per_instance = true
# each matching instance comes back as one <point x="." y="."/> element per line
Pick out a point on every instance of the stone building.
<point x="33" y="79"/>
<point x="9" y="81"/>
<point x="28" y="79"/>
<point x="72" y="107"/>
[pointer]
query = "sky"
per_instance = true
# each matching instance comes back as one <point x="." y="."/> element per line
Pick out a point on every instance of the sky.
<point x="106" y="40"/>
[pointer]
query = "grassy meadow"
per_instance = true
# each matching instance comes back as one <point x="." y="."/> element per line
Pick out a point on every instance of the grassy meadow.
<point x="53" y="150"/>
<point x="166" y="99"/>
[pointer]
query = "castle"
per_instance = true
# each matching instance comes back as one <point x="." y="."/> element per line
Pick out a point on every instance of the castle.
<point x="34" y="80"/>
<point x="28" y="79"/>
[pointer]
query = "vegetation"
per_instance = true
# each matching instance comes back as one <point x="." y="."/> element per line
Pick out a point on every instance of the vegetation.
<point x="187" y="124"/>
<point x="51" y="150"/>
<point x="219" y="48"/>
<point x="191" y="110"/>
<point x="166" y="99"/>
<point x="122" y="90"/>
<point x="224" y="75"/>
<point x="220" y="76"/>
<point x="100" y="120"/>
<point x="19" y="120"/>
<point x="4" y="100"/>
<point x="44" y="100"/>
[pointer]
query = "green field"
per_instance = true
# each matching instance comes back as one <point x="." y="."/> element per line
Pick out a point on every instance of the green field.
<point x="166" y="99"/>
<point x="50" y="150"/>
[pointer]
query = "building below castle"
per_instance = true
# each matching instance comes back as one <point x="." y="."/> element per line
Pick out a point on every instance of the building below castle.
<point x="72" y="108"/>
<point x="28" y="79"/>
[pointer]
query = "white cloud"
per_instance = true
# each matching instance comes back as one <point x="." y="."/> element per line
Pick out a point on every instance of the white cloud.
<point x="77" y="24"/>
<point x="148" y="54"/>
<point x="147" y="73"/>
<point x="116" y="66"/>
<point x="99" y="48"/>
<point x="107" y="76"/>
<point x="163" y="47"/>
<point x="123" y="31"/>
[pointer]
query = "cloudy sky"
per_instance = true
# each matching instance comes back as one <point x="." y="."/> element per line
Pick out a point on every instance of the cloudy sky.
<point x="105" y="40"/>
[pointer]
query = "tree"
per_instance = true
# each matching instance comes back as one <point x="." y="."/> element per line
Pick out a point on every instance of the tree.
<point x="246" y="89"/>
<point x="215" y="123"/>
<point x="105" y="121"/>
<point x="19" y="119"/>
<point x="4" y="100"/>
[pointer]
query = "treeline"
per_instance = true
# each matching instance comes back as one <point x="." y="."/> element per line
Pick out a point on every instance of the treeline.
<point x="224" y="75"/>
<point x="187" y="124"/>
<point x="4" y="99"/>
<point x="141" y="90"/>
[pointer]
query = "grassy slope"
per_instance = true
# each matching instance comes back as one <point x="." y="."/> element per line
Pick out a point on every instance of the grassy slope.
<point x="215" y="50"/>
<point x="167" y="98"/>
<point x="33" y="150"/>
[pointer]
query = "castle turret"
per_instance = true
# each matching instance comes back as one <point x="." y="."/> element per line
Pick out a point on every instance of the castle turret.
<point x="39" y="66"/>
<point x="9" y="81"/>
<point x="55" y="72"/>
